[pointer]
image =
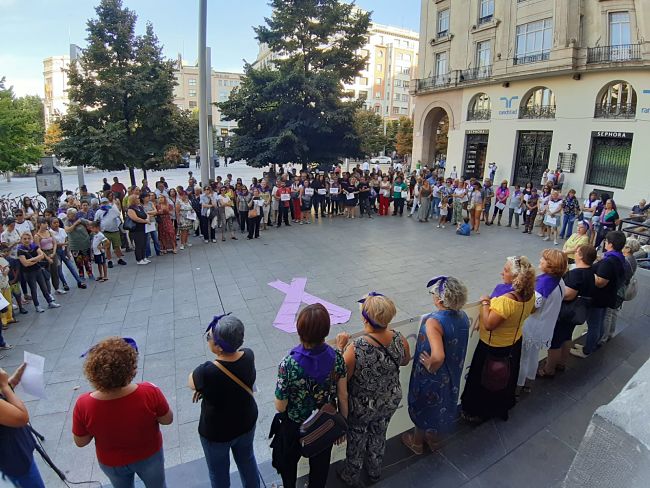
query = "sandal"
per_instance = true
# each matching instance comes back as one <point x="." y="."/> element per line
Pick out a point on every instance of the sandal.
<point x="407" y="440"/>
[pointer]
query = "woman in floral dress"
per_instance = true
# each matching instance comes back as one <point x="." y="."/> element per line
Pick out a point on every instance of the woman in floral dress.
<point x="438" y="365"/>
<point x="166" y="231"/>
<point x="186" y="218"/>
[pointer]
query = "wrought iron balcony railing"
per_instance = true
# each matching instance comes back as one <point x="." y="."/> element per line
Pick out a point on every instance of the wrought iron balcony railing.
<point x="614" y="54"/>
<point x="479" y="114"/>
<point x="453" y="78"/>
<point x="537" y="112"/>
<point x="473" y="74"/>
<point x="613" y="111"/>
<point x="532" y="58"/>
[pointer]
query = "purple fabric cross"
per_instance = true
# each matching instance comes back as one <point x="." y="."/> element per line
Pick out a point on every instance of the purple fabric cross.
<point x="285" y="319"/>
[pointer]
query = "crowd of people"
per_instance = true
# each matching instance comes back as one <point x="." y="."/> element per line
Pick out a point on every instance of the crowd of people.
<point x="355" y="385"/>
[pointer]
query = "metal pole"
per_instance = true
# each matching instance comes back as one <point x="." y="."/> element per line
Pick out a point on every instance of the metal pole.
<point x="208" y="104"/>
<point x="203" y="116"/>
<point x="74" y="55"/>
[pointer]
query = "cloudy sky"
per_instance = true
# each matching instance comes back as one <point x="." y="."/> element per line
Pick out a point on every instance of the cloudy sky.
<point x="35" y="29"/>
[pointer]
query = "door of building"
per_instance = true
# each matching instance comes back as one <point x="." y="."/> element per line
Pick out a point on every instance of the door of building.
<point x="475" y="152"/>
<point x="533" y="152"/>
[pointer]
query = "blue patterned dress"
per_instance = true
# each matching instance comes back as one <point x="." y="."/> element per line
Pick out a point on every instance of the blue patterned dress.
<point x="433" y="397"/>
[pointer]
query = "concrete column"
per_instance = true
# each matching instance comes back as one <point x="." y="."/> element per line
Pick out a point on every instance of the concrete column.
<point x="203" y="115"/>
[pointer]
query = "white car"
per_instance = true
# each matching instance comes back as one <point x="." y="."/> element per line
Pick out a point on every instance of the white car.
<point x="383" y="162"/>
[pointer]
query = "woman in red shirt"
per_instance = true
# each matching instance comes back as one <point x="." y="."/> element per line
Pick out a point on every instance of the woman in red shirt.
<point x="123" y="417"/>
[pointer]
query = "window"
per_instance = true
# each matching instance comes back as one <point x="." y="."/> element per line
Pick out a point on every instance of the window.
<point x="405" y="83"/>
<point x="540" y="104"/>
<point x="407" y="44"/>
<point x="534" y="41"/>
<point x="480" y="108"/>
<point x="191" y="82"/>
<point x="367" y="67"/>
<point x="378" y="95"/>
<point x="617" y="100"/>
<point x="398" y="83"/>
<point x="443" y="23"/>
<point x="220" y="82"/>
<point x="377" y="81"/>
<point x="192" y="104"/>
<point x="486" y="11"/>
<point x="377" y="109"/>
<point x="363" y="95"/>
<point x="404" y="110"/>
<point x="407" y="58"/>
<point x="404" y="70"/>
<point x="405" y="98"/>
<point x="397" y="97"/>
<point x="441" y="68"/>
<point x="619" y="29"/>
<point x="191" y="93"/>
<point x="483" y="54"/>
<point x="380" y="68"/>
<point x="363" y="81"/>
<point x="395" y="110"/>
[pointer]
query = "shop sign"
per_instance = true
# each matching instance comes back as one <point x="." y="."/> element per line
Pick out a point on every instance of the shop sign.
<point x="612" y="134"/>
<point x="477" y="131"/>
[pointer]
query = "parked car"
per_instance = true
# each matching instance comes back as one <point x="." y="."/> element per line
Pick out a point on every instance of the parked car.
<point x="184" y="162"/>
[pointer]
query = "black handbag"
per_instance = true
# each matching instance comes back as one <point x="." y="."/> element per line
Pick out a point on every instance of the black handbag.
<point x="321" y="430"/>
<point x="575" y="312"/>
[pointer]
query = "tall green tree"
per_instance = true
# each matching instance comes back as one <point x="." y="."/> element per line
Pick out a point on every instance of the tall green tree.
<point x="122" y="112"/>
<point x="295" y="112"/>
<point x="392" y="127"/>
<point x="370" y="130"/>
<point x="404" y="139"/>
<point x="21" y="130"/>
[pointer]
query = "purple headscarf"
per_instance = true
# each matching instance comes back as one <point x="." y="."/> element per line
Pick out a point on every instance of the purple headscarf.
<point x="317" y="362"/>
<point x="545" y="284"/>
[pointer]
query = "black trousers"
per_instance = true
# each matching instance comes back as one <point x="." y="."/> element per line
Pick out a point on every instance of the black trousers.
<point x="398" y="206"/>
<point x="140" y="244"/>
<point x="206" y="229"/>
<point x="35" y="280"/>
<point x="318" y="467"/>
<point x="254" y="227"/>
<point x="243" y="217"/>
<point x="283" y="214"/>
<point x="364" y="205"/>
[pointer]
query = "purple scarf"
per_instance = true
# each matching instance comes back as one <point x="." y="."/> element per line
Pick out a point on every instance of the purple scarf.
<point x="615" y="254"/>
<point x="545" y="284"/>
<point x="501" y="289"/>
<point x="317" y="363"/>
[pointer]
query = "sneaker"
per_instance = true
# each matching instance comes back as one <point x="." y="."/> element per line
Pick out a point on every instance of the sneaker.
<point x="121" y="262"/>
<point x="579" y="353"/>
<point x="182" y="247"/>
<point x="23" y="311"/>
<point x="189" y="244"/>
<point x="81" y="285"/>
<point x="110" y="264"/>
<point x="214" y="240"/>
<point x="146" y="261"/>
<point x="443" y="226"/>
<point x="578" y="346"/>
<point x="555" y="243"/>
<point x="60" y="292"/>
<point x="525" y="231"/>
<point x="53" y="305"/>
<point x="547" y="238"/>
<point x="206" y="241"/>
<point x="6" y="347"/>
<point x="40" y="309"/>
<point x="141" y="262"/>
<point x="66" y="287"/>
<point x="438" y="226"/>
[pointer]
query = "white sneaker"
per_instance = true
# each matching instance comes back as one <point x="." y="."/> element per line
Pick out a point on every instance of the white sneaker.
<point x="206" y="241"/>
<point x="141" y="262"/>
<point x="214" y="240"/>
<point x="53" y="305"/>
<point x="182" y="247"/>
<point x="555" y="243"/>
<point x="547" y="238"/>
<point x="438" y="226"/>
<point x="189" y="244"/>
<point x="61" y="292"/>
<point x="443" y="226"/>
<point x="579" y="353"/>
<point x="146" y="261"/>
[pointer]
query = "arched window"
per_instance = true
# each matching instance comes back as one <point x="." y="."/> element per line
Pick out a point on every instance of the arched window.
<point x="480" y="108"/>
<point x="539" y="103"/>
<point x="617" y="100"/>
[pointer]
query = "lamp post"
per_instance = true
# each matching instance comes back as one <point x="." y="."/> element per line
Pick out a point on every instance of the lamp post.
<point x="206" y="161"/>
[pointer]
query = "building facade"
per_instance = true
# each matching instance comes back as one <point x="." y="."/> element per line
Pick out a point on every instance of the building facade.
<point x="536" y="84"/>
<point x="55" y="79"/>
<point x="186" y="93"/>
<point x="383" y="84"/>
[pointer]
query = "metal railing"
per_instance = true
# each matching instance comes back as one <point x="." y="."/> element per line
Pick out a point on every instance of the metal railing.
<point x="472" y="74"/>
<point x="532" y="58"/>
<point x="613" y="111"/>
<point x="453" y="78"/>
<point x="438" y="81"/>
<point x="614" y="54"/>
<point x="537" y="112"/>
<point x="479" y="114"/>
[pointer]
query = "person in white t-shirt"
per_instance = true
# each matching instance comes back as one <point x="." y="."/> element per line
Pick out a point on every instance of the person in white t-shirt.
<point x="454" y="173"/>
<point x="11" y="237"/>
<point x="553" y="216"/>
<point x="99" y="251"/>
<point x="23" y="225"/>
<point x="365" y="166"/>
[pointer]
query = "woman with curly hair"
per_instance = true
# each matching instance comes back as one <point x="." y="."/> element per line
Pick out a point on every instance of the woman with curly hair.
<point x="492" y="379"/>
<point x="438" y="365"/>
<point x="123" y="417"/>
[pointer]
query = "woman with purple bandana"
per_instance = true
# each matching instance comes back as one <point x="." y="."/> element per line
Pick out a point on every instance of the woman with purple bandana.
<point x="228" y="409"/>
<point x="373" y="362"/>
<point x="310" y="376"/>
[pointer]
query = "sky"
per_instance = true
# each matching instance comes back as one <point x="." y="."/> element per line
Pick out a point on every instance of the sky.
<point x="33" y="30"/>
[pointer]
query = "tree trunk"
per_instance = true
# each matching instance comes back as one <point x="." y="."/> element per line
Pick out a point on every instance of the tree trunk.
<point x="8" y="175"/>
<point x="132" y="175"/>
<point x="144" y="173"/>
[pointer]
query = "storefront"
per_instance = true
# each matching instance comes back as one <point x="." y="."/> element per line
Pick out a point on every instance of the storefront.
<point x="532" y="156"/>
<point x="476" y="144"/>
<point x="609" y="159"/>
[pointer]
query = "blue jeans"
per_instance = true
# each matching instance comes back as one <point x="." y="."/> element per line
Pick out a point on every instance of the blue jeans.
<point x="65" y="259"/>
<point x="595" y="329"/>
<point x="567" y="225"/>
<point x="150" y="470"/>
<point x="217" y="456"/>
<point x="31" y="479"/>
<point x="156" y="244"/>
<point x="434" y="206"/>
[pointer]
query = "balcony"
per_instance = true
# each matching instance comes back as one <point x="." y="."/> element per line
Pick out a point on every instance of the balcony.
<point x="486" y="19"/>
<point x="613" y="111"/>
<point x="532" y="58"/>
<point x="614" y="54"/>
<point x="474" y="74"/>
<point x="479" y="114"/>
<point x="537" y="112"/>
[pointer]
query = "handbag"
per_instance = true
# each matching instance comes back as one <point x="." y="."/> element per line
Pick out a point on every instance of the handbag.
<point x="230" y="375"/>
<point x="129" y="224"/>
<point x="495" y="375"/>
<point x="229" y="212"/>
<point x="550" y="220"/>
<point x="320" y="431"/>
<point x="575" y="312"/>
<point x="252" y="213"/>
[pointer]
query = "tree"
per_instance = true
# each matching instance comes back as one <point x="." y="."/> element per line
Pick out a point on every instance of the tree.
<point x="122" y="112"/>
<point x="295" y="112"/>
<point x="405" y="137"/>
<point x="392" y="126"/>
<point x="369" y="127"/>
<point x="53" y="136"/>
<point x="21" y="130"/>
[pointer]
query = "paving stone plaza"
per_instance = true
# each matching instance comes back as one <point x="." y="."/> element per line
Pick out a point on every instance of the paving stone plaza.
<point x="166" y="306"/>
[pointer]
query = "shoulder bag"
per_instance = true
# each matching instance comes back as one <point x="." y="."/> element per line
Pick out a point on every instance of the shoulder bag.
<point x="129" y="224"/>
<point x="230" y="375"/>
<point x="575" y="312"/>
<point x="495" y="375"/>
<point x="320" y="431"/>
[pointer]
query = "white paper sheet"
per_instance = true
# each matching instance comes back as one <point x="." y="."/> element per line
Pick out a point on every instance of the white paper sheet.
<point x="32" y="381"/>
<point x="3" y="303"/>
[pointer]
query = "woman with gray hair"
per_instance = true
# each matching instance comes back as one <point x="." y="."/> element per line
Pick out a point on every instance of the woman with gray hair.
<point x="228" y="410"/>
<point x="78" y="242"/>
<point x="438" y="365"/>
